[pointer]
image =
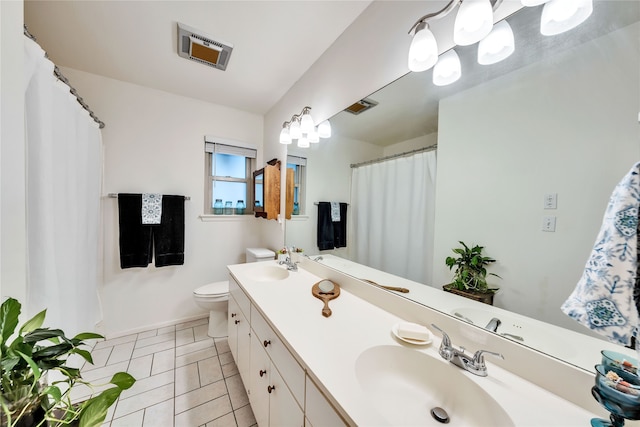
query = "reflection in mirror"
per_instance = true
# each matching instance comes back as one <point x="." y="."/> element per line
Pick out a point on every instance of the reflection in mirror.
<point x="560" y="116"/>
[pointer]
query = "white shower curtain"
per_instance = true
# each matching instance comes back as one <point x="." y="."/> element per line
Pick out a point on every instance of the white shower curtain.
<point x="393" y="215"/>
<point x="64" y="173"/>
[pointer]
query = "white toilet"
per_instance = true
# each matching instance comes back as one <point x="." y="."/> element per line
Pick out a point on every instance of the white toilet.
<point x="215" y="296"/>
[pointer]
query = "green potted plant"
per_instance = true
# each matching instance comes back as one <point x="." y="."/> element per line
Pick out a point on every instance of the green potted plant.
<point x="470" y="276"/>
<point x="26" y="397"/>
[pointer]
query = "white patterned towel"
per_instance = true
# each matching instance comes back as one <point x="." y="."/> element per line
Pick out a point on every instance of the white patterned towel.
<point x="604" y="300"/>
<point x="151" y="208"/>
<point x="335" y="211"/>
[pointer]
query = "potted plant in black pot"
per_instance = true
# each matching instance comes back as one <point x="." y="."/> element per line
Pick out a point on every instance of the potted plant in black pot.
<point x="27" y="396"/>
<point x="470" y="276"/>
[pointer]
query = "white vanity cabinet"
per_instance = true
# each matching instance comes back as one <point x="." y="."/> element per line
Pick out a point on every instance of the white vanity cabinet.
<point x="276" y="379"/>
<point x="239" y="330"/>
<point x="318" y="411"/>
<point x="271" y="400"/>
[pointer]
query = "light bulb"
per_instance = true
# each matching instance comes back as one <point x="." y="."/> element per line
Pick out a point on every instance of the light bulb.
<point x="423" y="52"/>
<point x="303" y="142"/>
<point x="559" y="16"/>
<point x="498" y="45"/>
<point x="285" y="138"/>
<point x="324" y="129"/>
<point x="448" y="69"/>
<point x="473" y="21"/>
<point x="313" y="136"/>
<point x="306" y="122"/>
<point x="294" y="129"/>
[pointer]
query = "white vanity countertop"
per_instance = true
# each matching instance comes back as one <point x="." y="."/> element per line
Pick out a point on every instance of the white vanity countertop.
<point x="329" y="347"/>
<point x="573" y="347"/>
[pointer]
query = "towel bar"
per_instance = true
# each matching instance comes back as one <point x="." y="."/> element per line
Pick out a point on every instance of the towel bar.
<point x="115" y="196"/>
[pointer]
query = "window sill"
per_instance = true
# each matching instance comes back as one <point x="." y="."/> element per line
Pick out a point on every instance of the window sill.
<point x="299" y="218"/>
<point x="225" y="218"/>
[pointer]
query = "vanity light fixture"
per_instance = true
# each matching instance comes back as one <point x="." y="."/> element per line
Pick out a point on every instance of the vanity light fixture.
<point x="423" y="52"/>
<point x="302" y="127"/>
<point x="448" y="69"/>
<point x="559" y="16"/>
<point x="473" y="22"/>
<point x="498" y="45"/>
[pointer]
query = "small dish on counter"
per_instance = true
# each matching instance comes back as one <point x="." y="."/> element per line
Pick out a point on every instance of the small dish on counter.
<point x="395" y="329"/>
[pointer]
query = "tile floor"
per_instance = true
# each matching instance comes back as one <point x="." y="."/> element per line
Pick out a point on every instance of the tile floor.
<point x="184" y="379"/>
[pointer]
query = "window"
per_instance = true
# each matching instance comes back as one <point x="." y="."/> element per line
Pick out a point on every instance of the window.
<point x="298" y="164"/>
<point x="229" y="174"/>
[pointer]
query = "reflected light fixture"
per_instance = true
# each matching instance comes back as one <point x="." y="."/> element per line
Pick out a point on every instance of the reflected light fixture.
<point x="448" y="69"/>
<point x="301" y="127"/>
<point x="498" y="45"/>
<point x="473" y="22"/>
<point x="324" y="129"/>
<point x="559" y="16"/>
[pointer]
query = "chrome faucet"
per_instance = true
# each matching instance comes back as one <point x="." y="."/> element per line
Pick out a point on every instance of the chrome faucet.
<point x="493" y="324"/>
<point x="292" y="266"/>
<point x="474" y="364"/>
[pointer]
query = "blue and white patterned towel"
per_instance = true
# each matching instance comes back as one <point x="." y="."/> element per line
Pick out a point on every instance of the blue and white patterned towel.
<point x="605" y="298"/>
<point x="335" y="211"/>
<point x="151" y="208"/>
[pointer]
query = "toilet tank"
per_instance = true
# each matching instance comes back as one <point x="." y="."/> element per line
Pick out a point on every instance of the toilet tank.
<point x="260" y="254"/>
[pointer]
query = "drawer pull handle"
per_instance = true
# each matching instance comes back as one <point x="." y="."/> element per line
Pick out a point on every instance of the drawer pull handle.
<point x="266" y="343"/>
<point x="237" y="321"/>
<point x="233" y="315"/>
<point x="271" y="388"/>
<point x="262" y="372"/>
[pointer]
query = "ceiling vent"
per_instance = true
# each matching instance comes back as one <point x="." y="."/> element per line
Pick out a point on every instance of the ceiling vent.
<point x="194" y="45"/>
<point x="361" y="106"/>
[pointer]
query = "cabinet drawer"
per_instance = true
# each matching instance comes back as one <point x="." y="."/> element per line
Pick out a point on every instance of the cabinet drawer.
<point x="318" y="410"/>
<point x="292" y="373"/>
<point x="241" y="298"/>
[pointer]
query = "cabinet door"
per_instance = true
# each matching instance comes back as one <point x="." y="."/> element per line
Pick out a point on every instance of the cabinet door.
<point x="244" y="350"/>
<point x="259" y="382"/>
<point x="283" y="408"/>
<point x="232" y="317"/>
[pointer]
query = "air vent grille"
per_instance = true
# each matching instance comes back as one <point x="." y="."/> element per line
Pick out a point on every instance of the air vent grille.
<point x="193" y="45"/>
<point x="361" y="106"/>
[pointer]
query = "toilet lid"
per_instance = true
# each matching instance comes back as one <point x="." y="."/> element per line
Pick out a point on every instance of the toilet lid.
<point x="215" y="288"/>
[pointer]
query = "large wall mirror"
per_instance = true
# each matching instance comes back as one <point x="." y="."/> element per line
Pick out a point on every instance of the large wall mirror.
<point x="560" y="116"/>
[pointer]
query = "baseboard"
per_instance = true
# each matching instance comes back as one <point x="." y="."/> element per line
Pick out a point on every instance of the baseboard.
<point x="153" y="326"/>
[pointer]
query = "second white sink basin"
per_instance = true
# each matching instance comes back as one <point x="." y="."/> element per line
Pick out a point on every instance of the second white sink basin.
<point x="267" y="273"/>
<point x="404" y="385"/>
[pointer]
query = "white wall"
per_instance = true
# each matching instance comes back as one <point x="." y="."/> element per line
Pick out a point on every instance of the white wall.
<point x="13" y="244"/>
<point x="570" y="129"/>
<point x="411" y="144"/>
<point x="328" y="180"/>
<point x="154" y="142"/>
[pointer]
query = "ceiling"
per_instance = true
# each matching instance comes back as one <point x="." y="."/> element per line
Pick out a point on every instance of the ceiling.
<point x="274" y="43"/>
<point x="408" y="107"/>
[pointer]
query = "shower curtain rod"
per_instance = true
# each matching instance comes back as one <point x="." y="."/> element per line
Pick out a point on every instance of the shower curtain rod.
<point x="394" y="156"/>
<point x="63" y="79"/>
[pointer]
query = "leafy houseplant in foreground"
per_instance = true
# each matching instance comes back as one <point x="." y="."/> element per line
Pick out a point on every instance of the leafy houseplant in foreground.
<point x="470" y="270"/>
<point x="25" y="396"/>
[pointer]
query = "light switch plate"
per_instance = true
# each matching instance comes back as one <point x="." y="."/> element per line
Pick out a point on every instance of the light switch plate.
<point x="551" y="200"/>
<point x="549" y="223"/>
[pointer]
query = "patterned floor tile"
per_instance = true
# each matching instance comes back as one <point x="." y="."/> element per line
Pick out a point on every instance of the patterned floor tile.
<point x="140" y="367"/>
<point x="244" y="416"/>
<point x="163" y="361"/>
<point x="143" y="400"/>
<point x="196" y="356"/>
<point x="204" y="413"/>
<point x="199" y="396"/>
<point x="159" y="415"/>
<point x="209" y="371"/>
<point x="196" y="346"/>
<point x="191" y="324"/>
<point x="187" y="379"/>
<point x="237" y="392"/>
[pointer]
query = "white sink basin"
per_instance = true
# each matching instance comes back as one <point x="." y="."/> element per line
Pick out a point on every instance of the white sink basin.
<point x="403" y="385"/>
<point x="267" y="273"/>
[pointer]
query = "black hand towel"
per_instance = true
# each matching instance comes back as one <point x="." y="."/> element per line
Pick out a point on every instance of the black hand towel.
<point x="325" y="235"/>
<point x="340" y="228"/>
<point x="135" y="238"/>
<point x="169" y="235"/>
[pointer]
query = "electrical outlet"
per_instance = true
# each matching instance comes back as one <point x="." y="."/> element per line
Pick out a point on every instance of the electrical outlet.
<point x="549" y="223"/>
<point x="551" y="200"/>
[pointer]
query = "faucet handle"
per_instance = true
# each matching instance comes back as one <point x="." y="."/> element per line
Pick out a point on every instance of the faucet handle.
<point x="446" y="350"/>
<point x="478" y="358"/>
